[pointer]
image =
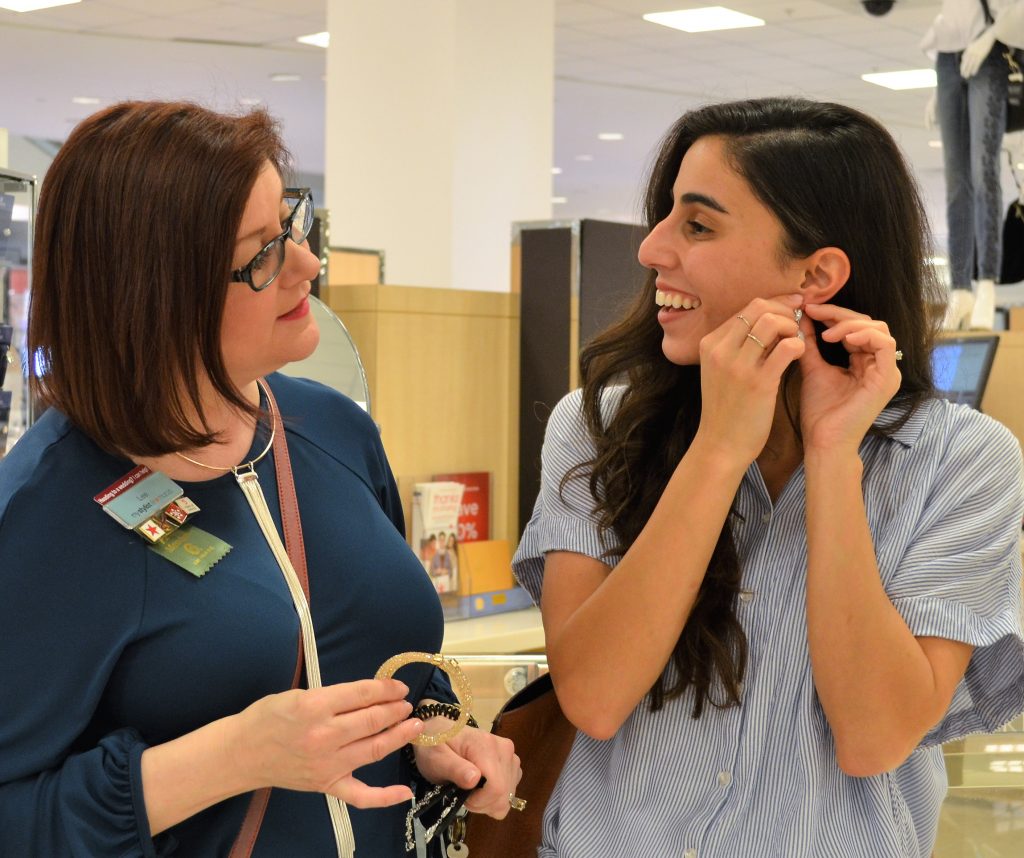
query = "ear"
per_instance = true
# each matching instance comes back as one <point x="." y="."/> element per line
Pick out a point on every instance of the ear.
<point x="825" y="272"/>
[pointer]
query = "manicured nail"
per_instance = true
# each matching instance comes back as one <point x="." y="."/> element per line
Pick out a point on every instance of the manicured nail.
<point x="417" y="725"/>
<point x="471" y="775"/>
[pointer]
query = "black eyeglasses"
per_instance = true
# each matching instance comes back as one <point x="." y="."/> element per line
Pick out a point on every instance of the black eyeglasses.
<point x="267" y="264"/>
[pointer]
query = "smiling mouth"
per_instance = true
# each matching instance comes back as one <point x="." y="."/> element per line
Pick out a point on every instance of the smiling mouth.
<point x="675" y="301"/>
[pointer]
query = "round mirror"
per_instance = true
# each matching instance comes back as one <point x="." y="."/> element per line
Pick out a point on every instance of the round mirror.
<point x="336" y="360"/>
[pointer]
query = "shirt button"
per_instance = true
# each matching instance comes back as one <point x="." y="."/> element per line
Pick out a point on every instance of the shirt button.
<point x="746" y="596"/>
<point x="766" y="518"/>
<point x="724" y="779"/>
<point x="690" y="853"/>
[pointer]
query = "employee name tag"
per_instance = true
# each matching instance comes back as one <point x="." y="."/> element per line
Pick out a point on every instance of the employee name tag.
<point x="139" y="495"/>
<point x="154" y="506"/>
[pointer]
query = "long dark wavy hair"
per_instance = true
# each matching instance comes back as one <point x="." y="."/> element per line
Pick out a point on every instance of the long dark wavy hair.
<point x="833" y="177"/>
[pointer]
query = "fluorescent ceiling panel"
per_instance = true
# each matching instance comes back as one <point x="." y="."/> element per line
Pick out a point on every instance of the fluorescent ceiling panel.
<point x="911" y="79"/>
<point x="704" y="20"/>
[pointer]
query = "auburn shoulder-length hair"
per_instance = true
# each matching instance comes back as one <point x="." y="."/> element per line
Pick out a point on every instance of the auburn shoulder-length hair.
<point x="833" y="177"/>
<point x="137" y="225"/>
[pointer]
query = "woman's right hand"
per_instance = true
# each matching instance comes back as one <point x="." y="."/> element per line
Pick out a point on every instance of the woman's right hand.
<point x="313" y="740"/>
<point x="741" y="367"/>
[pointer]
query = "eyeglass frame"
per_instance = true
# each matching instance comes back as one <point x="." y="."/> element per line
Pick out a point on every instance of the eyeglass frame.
<point x="244" y="274"/>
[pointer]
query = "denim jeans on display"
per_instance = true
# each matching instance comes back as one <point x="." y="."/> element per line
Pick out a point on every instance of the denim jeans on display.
<point x="972" y="117"/>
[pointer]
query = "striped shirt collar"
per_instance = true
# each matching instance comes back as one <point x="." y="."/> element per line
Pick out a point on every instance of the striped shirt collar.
<point x="910" y="432"/>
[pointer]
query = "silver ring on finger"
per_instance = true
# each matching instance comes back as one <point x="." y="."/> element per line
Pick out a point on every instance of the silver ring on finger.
<point x="750" y="336"/>
<point x="745" y="321"/>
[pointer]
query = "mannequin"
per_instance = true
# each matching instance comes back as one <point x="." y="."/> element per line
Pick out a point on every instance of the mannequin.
<point x="970" y="101"/>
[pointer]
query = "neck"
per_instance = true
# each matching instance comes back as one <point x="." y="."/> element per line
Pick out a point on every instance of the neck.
<point x="234" y="429"/>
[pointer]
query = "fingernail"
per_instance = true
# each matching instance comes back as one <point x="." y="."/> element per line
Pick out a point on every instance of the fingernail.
<point x="401" y="686"/>
<point x="417" y="725"/>
<point x="471" y="775"/>
<point x="801" y="335"/>
<point x="406" y="707"/>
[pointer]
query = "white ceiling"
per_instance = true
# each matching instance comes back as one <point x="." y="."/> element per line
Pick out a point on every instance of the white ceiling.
<point x="614" y="72"/>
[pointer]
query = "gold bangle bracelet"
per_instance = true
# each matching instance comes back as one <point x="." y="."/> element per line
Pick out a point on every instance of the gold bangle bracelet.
<point x="460" y="685"/>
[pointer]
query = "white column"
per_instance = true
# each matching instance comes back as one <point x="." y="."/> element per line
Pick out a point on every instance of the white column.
<point x="439" y="133"/>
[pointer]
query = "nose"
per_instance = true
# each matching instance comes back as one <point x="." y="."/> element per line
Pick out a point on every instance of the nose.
<point x="655" y="250"/>
<point x="302" y="259"/>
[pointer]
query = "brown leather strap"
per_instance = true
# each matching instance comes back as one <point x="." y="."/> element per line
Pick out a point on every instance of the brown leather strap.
<point x="292" y="525"/>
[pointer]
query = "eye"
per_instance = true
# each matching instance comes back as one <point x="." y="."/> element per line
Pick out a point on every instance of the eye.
<point x="260" y="258"/>
<point x="697" y="228"/>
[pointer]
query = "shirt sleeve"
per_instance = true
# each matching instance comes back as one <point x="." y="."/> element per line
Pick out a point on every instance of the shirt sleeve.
<point x="62" y="792"/>
<point x="1009" y="25"/>
<point x="564" y="517"/>
<point x="960" y="577"/>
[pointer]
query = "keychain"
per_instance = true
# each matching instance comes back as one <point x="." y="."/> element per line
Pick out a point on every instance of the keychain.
<point x="457" y="847"/>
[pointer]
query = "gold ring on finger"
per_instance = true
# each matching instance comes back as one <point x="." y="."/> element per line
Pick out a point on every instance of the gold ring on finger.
<point x="756" y="340"/>
<point x="460" y="685"/>
<point x="515" y="802"/>
<point x="745" y="321"/>
<point x="899" y="355"/>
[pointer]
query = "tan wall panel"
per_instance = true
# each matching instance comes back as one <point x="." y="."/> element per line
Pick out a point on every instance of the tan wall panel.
<point x="442" y="366"/>
<point x="353" y="266"/>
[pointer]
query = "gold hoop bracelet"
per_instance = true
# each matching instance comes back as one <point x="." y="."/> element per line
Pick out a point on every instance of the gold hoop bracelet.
<point x="460" y="685"/>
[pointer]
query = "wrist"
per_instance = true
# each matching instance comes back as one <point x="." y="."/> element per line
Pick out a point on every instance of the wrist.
<point x="721" y="460"/>
<point x="240" y="753"/>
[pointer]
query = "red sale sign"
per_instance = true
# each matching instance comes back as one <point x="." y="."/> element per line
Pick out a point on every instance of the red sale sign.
<point x="475" y="513"/>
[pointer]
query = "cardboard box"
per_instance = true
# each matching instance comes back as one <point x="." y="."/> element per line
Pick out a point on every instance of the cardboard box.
<point x="485" y="566"/>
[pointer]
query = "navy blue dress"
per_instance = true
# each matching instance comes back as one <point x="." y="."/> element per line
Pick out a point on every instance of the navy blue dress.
<point x="107" y="648"/>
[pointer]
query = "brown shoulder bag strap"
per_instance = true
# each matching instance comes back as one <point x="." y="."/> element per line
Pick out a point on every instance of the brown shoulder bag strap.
<point x="292" y="524"/>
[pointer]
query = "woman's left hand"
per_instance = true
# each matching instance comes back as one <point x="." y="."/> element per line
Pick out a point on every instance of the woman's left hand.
<point x="837" y="405"/>
<point x="466" y="756"/>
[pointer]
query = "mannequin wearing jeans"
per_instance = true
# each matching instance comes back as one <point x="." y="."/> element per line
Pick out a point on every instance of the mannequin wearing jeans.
<point x="971" y="105"/>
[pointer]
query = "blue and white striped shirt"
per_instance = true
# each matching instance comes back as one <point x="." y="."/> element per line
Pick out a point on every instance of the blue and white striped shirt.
<point x="944" y="498"/>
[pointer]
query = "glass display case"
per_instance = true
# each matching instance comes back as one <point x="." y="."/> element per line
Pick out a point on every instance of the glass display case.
<point x="17" y="217"/>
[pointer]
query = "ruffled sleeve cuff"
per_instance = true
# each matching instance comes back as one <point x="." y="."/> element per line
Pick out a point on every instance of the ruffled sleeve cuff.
<point x="992" y="690"/>
<point x="104" y="810"/>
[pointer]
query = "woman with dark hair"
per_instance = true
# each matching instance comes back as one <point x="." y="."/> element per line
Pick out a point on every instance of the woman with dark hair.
<point x="775" y="571"/>
<point x="146" y="710"/>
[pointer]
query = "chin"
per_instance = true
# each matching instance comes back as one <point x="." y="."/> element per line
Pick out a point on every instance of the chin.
<point x="681" y="354"/>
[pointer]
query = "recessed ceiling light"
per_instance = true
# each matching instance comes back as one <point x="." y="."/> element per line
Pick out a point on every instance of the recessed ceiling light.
<point x="559" y="200"/>
<point x="910" y="79"/>
<point x="584" y="157"/>
<point x="704" y="20"/>
<point x="319" y="40"/>
<point x="935" y="144"/>
<point x="84" y="99"/>
<point x="34" y="5"/>
<point x="609" y="135"/>
<point x="556" y="171"/>
<point x="285" y="77"/>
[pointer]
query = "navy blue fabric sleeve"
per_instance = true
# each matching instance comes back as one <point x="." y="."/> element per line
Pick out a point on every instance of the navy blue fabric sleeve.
<point x="62" y="794"/>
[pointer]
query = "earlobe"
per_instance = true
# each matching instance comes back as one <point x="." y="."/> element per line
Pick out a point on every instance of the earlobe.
<point x="825" y="273"/>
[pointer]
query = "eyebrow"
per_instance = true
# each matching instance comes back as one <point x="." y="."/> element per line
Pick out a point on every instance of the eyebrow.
<point x="704" y="200"/>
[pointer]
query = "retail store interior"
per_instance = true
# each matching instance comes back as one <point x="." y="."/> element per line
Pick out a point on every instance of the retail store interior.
<point x="438" y="336"/>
